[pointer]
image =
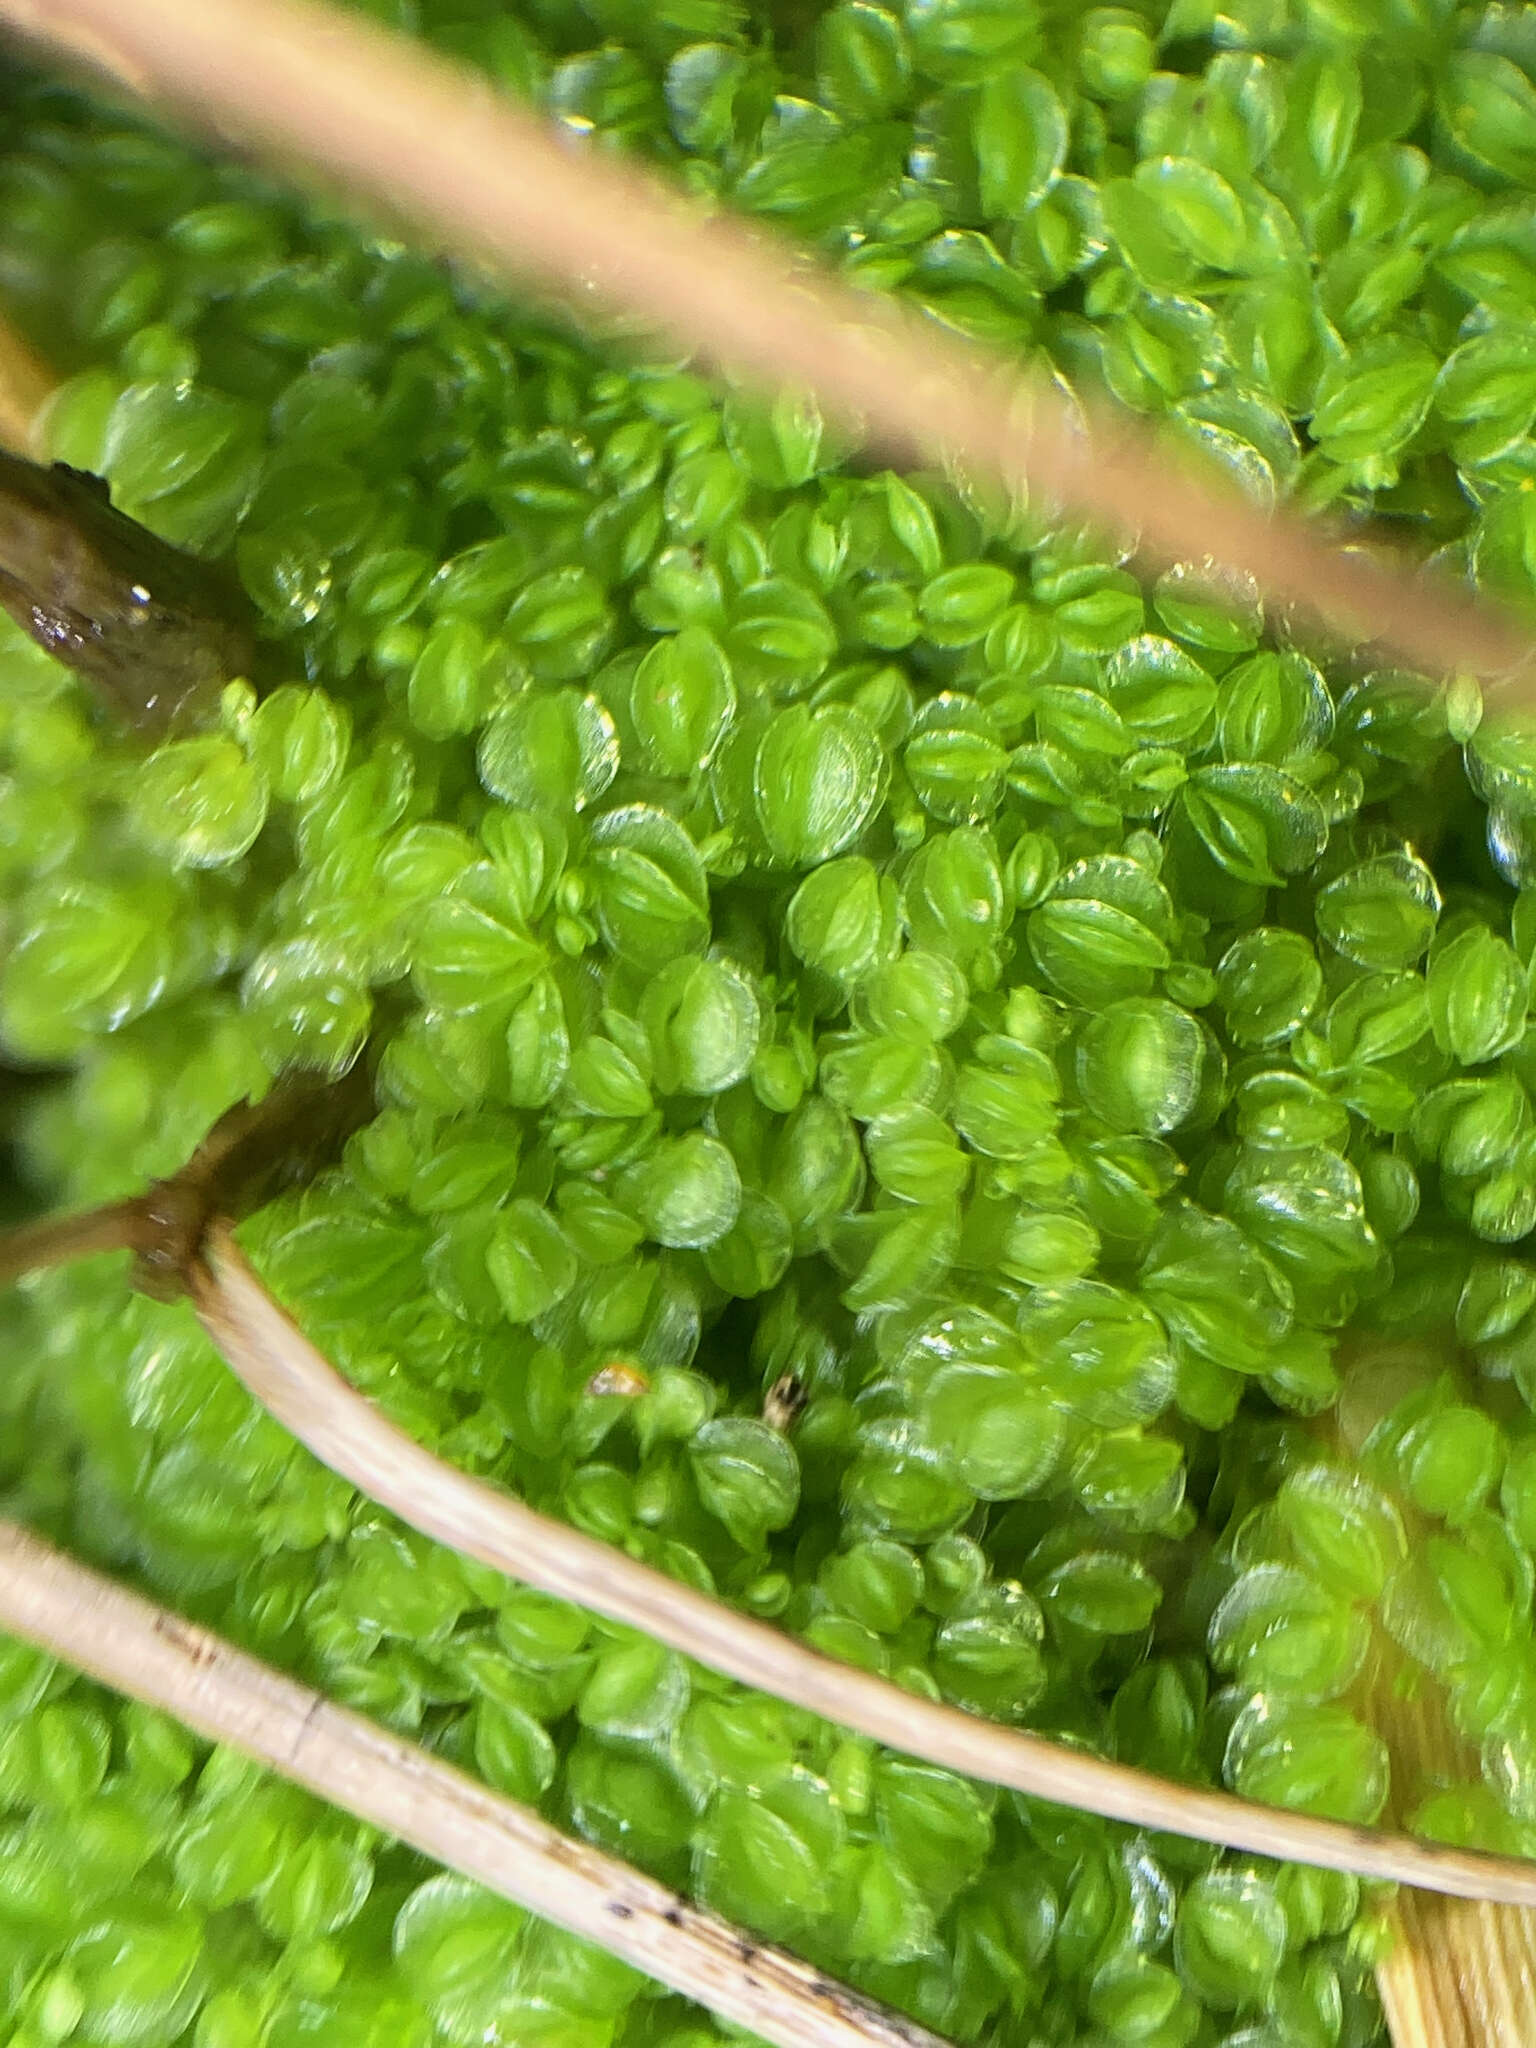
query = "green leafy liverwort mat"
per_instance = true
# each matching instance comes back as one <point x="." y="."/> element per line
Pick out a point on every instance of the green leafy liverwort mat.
<point x="824" y="924"/>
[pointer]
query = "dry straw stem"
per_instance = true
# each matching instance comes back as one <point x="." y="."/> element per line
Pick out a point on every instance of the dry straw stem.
<point x="1461" y="1972"/>
<point x="142" y="1650"/>
<point x="487" y="179"/>
<point x="299" y="1386"/>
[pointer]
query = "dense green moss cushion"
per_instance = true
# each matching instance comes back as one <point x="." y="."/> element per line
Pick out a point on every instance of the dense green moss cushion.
<point x="819" y="922"/>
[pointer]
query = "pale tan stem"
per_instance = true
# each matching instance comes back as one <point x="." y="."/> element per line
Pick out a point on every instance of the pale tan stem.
<point x="487" y="179"/>
<point x="291" y="1378"/>
<point x="151" y="1655"/>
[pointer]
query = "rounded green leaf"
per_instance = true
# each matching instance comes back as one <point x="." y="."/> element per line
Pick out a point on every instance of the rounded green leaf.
<point x="1103" y="1352"/>
<point x="1488" y="105"/>
<point x="1230" y="1938"/>
<point x="1382" y="913"/>
<point x="1282" y="1633"/>
<point x="651" y="896"/>
<point x="1315" y="1759"/>
<point x="561" y="622"/>
<point x="703" y="1019"/>
<point x="816" y="1164"/>
<point x="55" y="1758"/>
<point x="1268" y="983"/>
<point x="200" y="802"/>
<point x="1000" y="1434"/>
<point x="1102" y="1592"/>
<point x="513" y="1753"/>
<point x="1049" y="1247"/>
<point x="1306" y="1209"/>
<point x="1198" y="209"/>
<point x="751" y="1863"/>
<point x="1116" y="56"/>
<point x="1094" y="952"/>
<point x="452" y="1943"/>
<point x="952" y="894"/>
<point x="321" y="1884"/>
<point x="1132" y="1479"/>
<point x="920" y="997"/>
<point x="1488" y="388"/>
<point x="701" y="85"/>
<point x="1370" y="403"/>
<point x="687" y="1191"/>
<point x="958" y="606"/>
<point x="1006" y="1099"/>
<point x="1134" y="1999"/>
<point x="1217" y="611"/>
<point x="754" y="1253"/>
<point x="1255" y="821"/>
<point x="703" y="492"/>
<point x="1139" y="1065"/>
<point x="73" y="966"/>
<point x="780" y="636"/>
<point x="955" y="761"/>
<point x="139" y="1975"/>
<point x="298" y="738"/>
<point x="1160" y="690"/>
<point x="636" y="1693"/>
<point x="914" y="1155"/>
<point x="937" y="1826"/>
<point x="835" y="921"/>
<point x="681" y="701"/>
<point x="1478" y="996"/>
<point x="529" y="1261"/>
<point x="1274" y="708"/>
<point x="555" y="751"/>
<point x="817" y="781"/>
<point x="1343" y="1529"/>
<point x="184" y="460"/>
<point x="468" y="960"/>
<point x="1450" y="1461"/>
<point x="538" y="1045"/>
<point x="1020" y="133"/>
<point x="1218" y="1297"/>
<point x="912" y="523"/>
<point x="747" y="1475"/>
<point x="862" y="65"/>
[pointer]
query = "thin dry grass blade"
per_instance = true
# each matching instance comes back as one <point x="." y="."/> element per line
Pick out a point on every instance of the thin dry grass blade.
<point x="295" y="1382"/>
<point x="151" y="1655"/>
<point x="487" y="179"/>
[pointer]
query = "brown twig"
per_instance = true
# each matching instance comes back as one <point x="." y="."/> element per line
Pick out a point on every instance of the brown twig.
<point x="249" y="1156"/>
<point x="57" y="1240"/>
<point x="487" y="179"/>
<point x="154" y="1656"/>
<point x="293" y="1380"/>
<point x="25" y="387"/>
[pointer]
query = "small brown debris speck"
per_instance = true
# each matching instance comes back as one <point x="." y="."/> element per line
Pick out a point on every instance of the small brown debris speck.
<point x="783" y="1402"/>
